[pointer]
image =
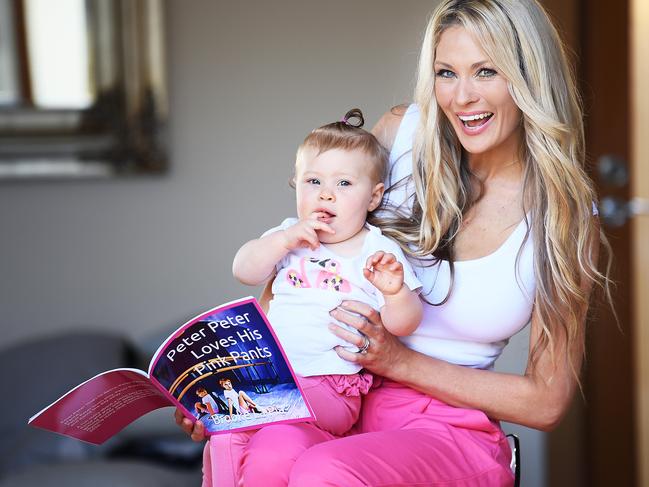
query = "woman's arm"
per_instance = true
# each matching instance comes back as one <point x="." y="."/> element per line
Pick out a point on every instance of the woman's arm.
<point x="387" y="127"/>
<point x="538" y="399"/>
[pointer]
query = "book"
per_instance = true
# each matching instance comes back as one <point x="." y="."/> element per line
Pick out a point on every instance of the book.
<point x="225" y="368"/>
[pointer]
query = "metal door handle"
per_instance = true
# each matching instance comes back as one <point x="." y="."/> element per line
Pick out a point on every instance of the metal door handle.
<point x="614" y="211"/>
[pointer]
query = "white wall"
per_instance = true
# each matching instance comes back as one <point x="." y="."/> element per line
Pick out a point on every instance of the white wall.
<point x="248" y="80"/>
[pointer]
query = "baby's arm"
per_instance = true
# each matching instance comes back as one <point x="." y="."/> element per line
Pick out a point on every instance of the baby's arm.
<point x="402" y="311"/>
<point x="255" y="261"/>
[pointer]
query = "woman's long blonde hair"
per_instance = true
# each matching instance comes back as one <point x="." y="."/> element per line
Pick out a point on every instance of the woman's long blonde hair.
<point x="521" y="41"/>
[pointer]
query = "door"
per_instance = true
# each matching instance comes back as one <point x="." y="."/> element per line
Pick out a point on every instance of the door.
<point x="595" y="446"/>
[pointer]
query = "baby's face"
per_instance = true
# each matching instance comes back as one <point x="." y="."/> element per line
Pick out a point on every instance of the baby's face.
<point x="227" y="385"/>
<point x="336" y="188"/>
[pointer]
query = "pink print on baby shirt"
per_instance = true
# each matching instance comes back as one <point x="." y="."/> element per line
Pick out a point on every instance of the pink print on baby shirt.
<point x="327" y="275"/>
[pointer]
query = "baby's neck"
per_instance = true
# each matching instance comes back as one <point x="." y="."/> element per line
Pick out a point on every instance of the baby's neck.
<point x="350" y="247"/>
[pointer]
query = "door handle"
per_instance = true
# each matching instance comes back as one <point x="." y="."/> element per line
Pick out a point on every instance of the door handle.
<point x="614" y="212"/>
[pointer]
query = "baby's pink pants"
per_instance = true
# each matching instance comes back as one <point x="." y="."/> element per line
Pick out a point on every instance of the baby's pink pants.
<point x="403" y="438"/>
<point x="336" y="403"/>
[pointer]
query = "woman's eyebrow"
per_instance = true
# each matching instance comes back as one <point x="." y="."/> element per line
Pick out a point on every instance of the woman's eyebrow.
<point x="473" y="66"/>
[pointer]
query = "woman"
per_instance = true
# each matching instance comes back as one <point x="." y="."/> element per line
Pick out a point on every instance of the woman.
<point x="498" y="212"/>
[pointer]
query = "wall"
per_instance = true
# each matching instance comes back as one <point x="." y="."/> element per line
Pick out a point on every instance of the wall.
<point x="247" y="80"/>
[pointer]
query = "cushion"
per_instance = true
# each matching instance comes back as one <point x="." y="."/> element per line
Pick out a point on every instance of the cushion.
<point x="35" y="374"/>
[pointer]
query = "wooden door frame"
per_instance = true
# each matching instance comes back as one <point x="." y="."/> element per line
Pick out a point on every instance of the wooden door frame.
<point x="639" y="47"/>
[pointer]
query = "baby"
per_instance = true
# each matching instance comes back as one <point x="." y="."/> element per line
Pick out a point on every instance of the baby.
<point x="330" y="254"/>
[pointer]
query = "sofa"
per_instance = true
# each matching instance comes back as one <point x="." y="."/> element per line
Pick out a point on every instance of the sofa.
<point x="152" y="451"/>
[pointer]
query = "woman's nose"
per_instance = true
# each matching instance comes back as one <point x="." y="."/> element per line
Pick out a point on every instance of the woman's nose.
<point x="465" y="92"/>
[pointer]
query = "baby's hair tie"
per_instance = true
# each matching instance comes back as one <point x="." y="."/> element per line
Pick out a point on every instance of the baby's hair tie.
<point x="353" y="118"/>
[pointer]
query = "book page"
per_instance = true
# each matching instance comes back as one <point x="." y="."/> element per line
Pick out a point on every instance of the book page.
<point x="102" y="406"/>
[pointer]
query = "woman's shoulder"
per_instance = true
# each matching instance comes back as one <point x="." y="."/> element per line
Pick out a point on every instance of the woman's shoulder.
<point x="387" y="127"/>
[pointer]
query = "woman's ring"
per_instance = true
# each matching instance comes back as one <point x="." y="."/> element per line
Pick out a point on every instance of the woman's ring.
<point x="366" y="344"/>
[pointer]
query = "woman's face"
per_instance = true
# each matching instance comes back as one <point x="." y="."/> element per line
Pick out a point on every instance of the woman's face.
<point x="475" y="97"/>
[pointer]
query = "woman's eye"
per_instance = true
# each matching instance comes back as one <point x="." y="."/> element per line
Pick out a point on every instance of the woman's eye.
<point x="344" y="182"/>
<point x="313" y="181"/>
<point x="486" y="73"/>
<point x="444" y="73"/>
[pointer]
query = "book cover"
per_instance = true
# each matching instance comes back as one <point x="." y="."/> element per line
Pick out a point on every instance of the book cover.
<point x="224" y="368"/>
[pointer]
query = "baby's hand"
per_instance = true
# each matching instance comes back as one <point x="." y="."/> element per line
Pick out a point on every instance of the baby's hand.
<point x="304" y="233"/>
<point x="385" y="272"/>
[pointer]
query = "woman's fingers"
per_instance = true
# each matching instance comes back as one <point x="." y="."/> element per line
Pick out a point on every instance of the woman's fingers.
<point x="194" y="430"/>
<point x="359" y="314"/>
<point x="198" y="431"/>
<point x="349" y="336"/>
<point x="358" y="321"/>
<point x="345" y="354"/>
<point x="178" y="416"/>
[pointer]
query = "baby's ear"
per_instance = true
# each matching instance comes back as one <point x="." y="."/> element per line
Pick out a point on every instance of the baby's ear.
<point x="377" y="195"/>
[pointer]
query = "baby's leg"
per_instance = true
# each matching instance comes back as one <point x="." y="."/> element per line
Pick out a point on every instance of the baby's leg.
<point x="221" y="458"/>
<point x="227" y="456"/>
<point x="335" y="412"/>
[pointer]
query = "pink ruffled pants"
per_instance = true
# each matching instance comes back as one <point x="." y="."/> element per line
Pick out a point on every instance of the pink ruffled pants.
<point x="403" y="438"/>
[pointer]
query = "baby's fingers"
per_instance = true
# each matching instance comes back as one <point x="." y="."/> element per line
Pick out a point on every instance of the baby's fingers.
<point x="374" y="259"/>
<point x="321" y="226"/>
<point x="388" y="259"/>
<point x="310" y="239"/>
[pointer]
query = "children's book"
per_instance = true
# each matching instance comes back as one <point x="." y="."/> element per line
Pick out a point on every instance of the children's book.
<point x="224" y="368"/>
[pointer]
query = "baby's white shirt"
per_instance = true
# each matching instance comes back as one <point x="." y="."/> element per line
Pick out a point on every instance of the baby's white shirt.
<point x="309" y="284"/>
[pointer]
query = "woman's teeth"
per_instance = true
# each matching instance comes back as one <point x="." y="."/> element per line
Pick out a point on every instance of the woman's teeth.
<point x="475" y="120"/>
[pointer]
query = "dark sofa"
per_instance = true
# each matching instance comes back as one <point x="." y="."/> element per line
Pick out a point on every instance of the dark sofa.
<point x="150" y="452"/>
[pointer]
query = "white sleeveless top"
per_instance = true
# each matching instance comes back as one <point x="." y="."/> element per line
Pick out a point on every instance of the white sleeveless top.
<point x="492" y="297"/>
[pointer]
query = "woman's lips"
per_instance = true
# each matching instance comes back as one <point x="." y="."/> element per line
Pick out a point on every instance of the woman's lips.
<point x="483" y="120"/>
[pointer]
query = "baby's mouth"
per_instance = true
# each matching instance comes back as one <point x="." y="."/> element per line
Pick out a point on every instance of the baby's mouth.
<point x="477" y="120"/>
<point x="325" y="215"/>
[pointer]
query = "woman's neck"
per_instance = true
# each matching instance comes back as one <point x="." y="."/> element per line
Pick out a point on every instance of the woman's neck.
<point x="502" y="161"/>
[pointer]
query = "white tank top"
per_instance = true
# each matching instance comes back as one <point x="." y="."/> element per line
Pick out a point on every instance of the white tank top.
<point x="492" y="297"/>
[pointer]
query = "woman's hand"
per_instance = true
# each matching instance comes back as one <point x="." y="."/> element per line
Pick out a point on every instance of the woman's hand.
<point x="384" y="350"/>
<point x="195" y="430"/>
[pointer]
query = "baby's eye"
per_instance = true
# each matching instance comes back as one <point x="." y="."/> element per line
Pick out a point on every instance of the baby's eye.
<point x="486" y="73"/>
<point x="444" y="73"/>
<point x="344" y="182"/>
<point x="313" y="181"/>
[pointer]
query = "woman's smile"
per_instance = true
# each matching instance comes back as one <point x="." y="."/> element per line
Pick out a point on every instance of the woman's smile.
<point x="475" y="123"/>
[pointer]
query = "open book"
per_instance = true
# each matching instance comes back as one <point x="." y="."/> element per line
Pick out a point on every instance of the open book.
<point x="224" y="367"/>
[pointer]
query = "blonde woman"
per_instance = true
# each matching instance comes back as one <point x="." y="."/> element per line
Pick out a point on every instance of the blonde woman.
<point x="488" y="194"/>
